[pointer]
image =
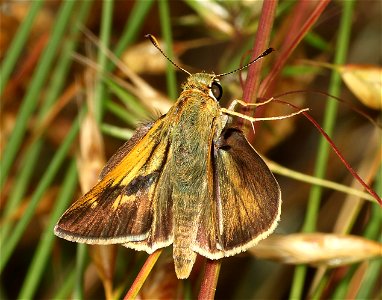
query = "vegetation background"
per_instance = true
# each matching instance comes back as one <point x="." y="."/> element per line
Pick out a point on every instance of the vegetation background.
<point x="58" y="57"/>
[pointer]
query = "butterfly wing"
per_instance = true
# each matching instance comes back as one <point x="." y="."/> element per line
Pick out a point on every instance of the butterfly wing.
<point x="132" y="197"/>
<point x="246" y="204"/>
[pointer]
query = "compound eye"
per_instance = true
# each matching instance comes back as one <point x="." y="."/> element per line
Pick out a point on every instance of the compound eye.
<point x="216" y="90"/>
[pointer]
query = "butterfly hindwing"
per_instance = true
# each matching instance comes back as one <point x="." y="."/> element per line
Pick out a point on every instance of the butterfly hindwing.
<point x="120" y="208"/>
<point x="246" y="204"/>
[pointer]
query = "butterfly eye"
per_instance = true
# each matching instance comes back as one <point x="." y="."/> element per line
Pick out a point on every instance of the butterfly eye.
<point x="216" y="90"/>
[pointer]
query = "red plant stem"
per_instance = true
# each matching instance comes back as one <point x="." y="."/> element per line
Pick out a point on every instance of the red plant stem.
<point x="284" y="55"/>
<point x="261" y="43"/>
<point x="142" y="275"/>
<point x="298" y="15"/>
<point x="210" y="280"/>
<point x="337" y="151"/>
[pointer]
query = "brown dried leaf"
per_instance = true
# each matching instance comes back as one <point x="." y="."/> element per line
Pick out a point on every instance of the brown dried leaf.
<point x="365" y="82"/>
<point x="317" y="249"/>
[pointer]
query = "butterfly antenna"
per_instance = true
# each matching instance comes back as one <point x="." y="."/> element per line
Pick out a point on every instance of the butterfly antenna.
<point x="156" y="44"/>
<point x="265" y="53"/>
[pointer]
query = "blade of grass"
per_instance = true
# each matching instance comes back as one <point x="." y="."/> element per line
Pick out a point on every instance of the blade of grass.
<point x="18" y="43"/>
<point x="370" y="280"/>
<point x="128" y="99"/>
<point x="121" y="113"/>
<point x="81" y="261"/>
<point x="100" y="92"/>
<point x="117" y="132"/>
<point x="31" y="98"/>
<point x="323" y="149"/>
<point x="165" y="22"/>
<point x="44" y="183"/>
<point x="63" y="291"/>
<point x="41" y="256"/>
<point x="278" y="169"/>
<point x="54" y="87"/>
<point x="373" y="231"/>
<point x="135" y="21"/>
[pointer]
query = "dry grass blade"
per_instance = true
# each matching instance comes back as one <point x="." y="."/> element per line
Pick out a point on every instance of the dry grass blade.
<point x="278" y="169"/>
<point x="317" y="249"/>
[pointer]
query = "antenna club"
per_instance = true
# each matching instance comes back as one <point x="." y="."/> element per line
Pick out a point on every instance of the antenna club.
<point x="152" y="39"/>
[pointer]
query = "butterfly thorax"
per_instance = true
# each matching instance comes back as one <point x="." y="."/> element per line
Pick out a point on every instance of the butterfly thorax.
<point x="197" y="110"/>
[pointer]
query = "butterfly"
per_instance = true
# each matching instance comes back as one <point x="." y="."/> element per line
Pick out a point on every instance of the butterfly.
<point x="189" y="179"/>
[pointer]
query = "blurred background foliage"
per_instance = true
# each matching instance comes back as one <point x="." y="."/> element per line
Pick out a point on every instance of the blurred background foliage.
<point x="77" y="77"/>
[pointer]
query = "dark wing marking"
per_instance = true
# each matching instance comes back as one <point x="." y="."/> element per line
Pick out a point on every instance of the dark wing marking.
<point x="246" y="203"/>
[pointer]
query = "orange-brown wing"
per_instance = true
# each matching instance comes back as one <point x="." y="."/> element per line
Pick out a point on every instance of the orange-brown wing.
<point x="246" y="204"/>
<point x="131" y="199"/>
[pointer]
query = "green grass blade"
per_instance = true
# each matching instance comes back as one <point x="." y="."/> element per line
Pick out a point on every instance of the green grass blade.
<point x="373" y="231"/>
<point x="117" y="132"/>
<point x="44" y="183"/>
<point x="121" y="113"/>
<point x="323" y="149"/>
<point x="100" y="92"/>
<point x="81" y="259"/>
<point x="18" y="43"/>
<point x="134" y="23"/>
<point x="133" y="104"/>
<point x="42" y="253"/>
<point x="32" y="96"/>
<point x="54" y="88"/>
<point x="19" y="188"/>
<point x="67" y="286"/>
<point x="165" y="20"/>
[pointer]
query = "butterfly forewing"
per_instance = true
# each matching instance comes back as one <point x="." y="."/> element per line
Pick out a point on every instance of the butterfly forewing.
<point x="246" y="203"/>
<point x="119" y="209"/>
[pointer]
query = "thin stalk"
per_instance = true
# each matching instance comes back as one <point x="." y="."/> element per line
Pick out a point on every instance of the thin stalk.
<point x="323" y="149"/>
<point x="81" y="259"/>
<point x="261" y="43"/>
<point x="165" y="22"/>
<point x="64" y="289"/>
<point x="143" y="274"/>
<point x="136" y="18"/>
<point x="100" y="92"/>
<point x="210" y="279"/>
<point x="285" y="54"/>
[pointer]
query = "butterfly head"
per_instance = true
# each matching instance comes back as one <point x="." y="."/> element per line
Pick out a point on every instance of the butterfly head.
<point x="206" y="83"/>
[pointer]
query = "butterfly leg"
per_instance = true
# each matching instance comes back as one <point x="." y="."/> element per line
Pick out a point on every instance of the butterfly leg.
<point x="231" y="112"/>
